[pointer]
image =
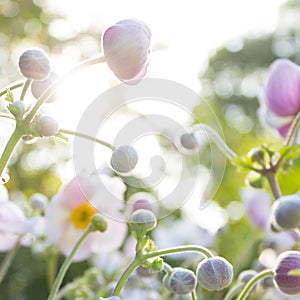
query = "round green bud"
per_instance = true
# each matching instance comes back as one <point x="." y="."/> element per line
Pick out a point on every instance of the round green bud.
<point x="34" y="64"/>
<point x="259" y="157"/>
<point x="143" y="218"/>
<point x="124" y="159"/>
<point x="99" y="223"/>
<point x="255" y="180"/>
<point x="47" y="126"/>
<point x="182" y="281"/>
<point x="214" y="273"/>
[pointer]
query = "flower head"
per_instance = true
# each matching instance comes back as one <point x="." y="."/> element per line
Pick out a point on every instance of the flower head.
<point x="126" y="49"/>
<point x="282" y="94"/>
<point x="70" y="212"/>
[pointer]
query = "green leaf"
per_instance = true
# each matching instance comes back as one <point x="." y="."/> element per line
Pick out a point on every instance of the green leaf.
<point x="9" y="96"/>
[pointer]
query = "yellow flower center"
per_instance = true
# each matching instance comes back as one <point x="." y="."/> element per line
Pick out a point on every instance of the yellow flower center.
<point x="81" y="215"/>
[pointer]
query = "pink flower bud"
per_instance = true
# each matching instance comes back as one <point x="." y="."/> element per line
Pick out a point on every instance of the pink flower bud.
<point x="126" y="49"/>
<point x="283" y="88"/>
<point x="286" y="262"/>
<point x="182" y="281"/>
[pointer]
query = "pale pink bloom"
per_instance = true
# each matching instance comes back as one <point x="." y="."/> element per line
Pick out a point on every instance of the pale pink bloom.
<point x="70" y="211"/>
<point x="12" y="222"/>
<point x="126" y="48"/>
<point x="282" y="93"/>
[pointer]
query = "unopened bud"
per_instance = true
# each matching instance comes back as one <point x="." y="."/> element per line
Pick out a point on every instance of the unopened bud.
<point x="34" y="64"/>
<point x="259" y="157"/>
<point x="143" y="218"/>
<point x="99" y="223"/>
<point x="124" y="159"/>
<point x="182" y="281"/>
<point x="47" y="126"/>
<point x="255" y="180"/>
<point x="214" y="273"/>
<point x="188" y="141"/>
<point x="39" y="201"/>
<point x="17" y="108"/>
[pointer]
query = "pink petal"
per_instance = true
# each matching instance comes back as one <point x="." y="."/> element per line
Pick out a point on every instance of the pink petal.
<point x="283" y="88"/>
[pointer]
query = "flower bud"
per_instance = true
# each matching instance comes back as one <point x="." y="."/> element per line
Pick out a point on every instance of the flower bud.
<point x="38" y="87"/>
<point x="126" y="49"/>
<point x="188" y="141"/>
<point x="286" y="262"/>
<point x="255" y="180"/>
<point x="17" y="108"/>
<point x="143" y="218"/>
<point x="124" y="159"/>
<point x="34" y="64"/>
<point x="214" y="273"/>
<point x="142" y="204"/>
<point x="182" y="281"/>
<point x="259" y="157"/>
<point x="246" y="276"/>
<point x="99" y="223"/>
<point x="286" y="212"/>
<point x="39" y="201"/>
<point x="47" y="126"/>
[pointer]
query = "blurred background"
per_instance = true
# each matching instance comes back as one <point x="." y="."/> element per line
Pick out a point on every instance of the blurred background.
<point x="219" y="49"/>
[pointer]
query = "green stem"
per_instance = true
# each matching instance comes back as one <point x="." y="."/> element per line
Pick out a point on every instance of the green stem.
<point x="193" y="295"/>
<point x="292" y="130"/>
<point x="251" y="283"/>
<point x="85" y="136"/>
<point x="141" y="258"/>
<point x="220" y="143"/>
<point x="271" y="176"/>
<point x="52" y="268"/>
<point x="7" y="117"/>
<point x="25" y="89"/>
<point x="12" y="87"/>
<point x="233" y="291"/>
<point x="9" y="148"/>
<point x="7" y="261"/>
<point x="63" y="270"/>
<point x="58" y="82"/>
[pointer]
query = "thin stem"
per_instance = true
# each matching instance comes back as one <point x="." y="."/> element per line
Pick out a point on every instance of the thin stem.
<point x="220" y="143"/>
<point x="7" y="117"/>
<point x="63" y="270"/>
<point x="69" y="287"/>
<point x="7" y="261"/>
<point x="251" y="283"/>
<point x="193" y="295"/>
<point x="25" y="89"/>
<point x="169" y="251"/>
<point x="12" y="87"/>
<point x="85" y="136"/>
<point x="141" y="258"/>
<point x="233" y="291"/>
<point x="275" y="188"/>
<point x="59" y="81"/>
<point x="9" y="148"/>
<point x="130" y="268"/>
<point x="292" y="130"/>
<point x="52" y="268"/>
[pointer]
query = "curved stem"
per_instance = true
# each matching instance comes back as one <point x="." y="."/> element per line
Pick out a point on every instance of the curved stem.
<point x="9" y="148"/>
<point x="58" y="82"/>
<point x="169" y="251"/>
<point x="141" y="258"/>
<point x="249" y="286"/>
<point x="85" y="136"/>
<point x="220" y="143"/>
<point x="167" y="268"/>
<point x="121" y="282"/>
<point x="292" y="130"/>
<point x="233" y="291"/>
<point x="65" y="266"/>
<point x="12" y="87"/>
<point x="7" y="117"/>
<point x="273" y="184"/>
<point x="6" y="263"/>
<point x="25" y="89"/>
